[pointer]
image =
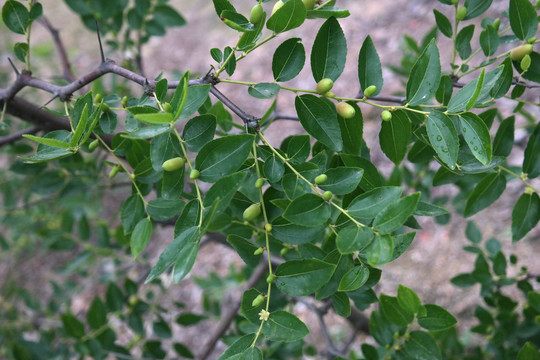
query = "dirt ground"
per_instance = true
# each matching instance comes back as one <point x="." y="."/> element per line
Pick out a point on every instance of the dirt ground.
<point x="435" y="256"/>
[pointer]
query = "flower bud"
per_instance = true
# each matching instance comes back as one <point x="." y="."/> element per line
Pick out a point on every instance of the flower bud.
<point x="252" y="212"/>
<point x="370" y="90"/>
<point x="105" y="107"/>
<point x="497" y="24"/>
<point x="324" y="86"/>
<point x="532" y="40"/>
<point x="173" y="164"/>
<point x="519" y="52"/>
<point x="345" y="110"/>
<point x="329" y="94"/>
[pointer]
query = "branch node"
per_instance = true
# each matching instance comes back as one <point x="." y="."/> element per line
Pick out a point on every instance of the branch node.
<point x="148" y="88"/>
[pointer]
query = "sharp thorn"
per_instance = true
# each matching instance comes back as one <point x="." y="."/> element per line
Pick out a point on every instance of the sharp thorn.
<point x="14" y="68"/>
<point x="100" y="44"/>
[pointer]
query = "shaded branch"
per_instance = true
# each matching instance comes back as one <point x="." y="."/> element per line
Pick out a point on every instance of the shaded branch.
<point x="17" y="135"/>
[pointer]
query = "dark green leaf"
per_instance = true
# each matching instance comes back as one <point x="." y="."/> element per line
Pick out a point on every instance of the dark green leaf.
<point x="223" y="156"/>
<point x="161" y="329"/>
<point x="303" y="277"/>
<point x="252" y="353"/>
<point x="463" y="41"/>
<point x="140" y="236"/>
<point x="162" y="148"/>
<point x="21" y="50"/>
<point x="288" y="60"/>
<point x="236" y="21"/>
<point x="132" y="211"/>
<point x="504" y="138"/>
<point x="189" y="319"/>
<point x="164" y="209"/>
<point x="421" y="345"/>
<point x="425" y="76"/>
<point x="352" y="131"/>
<point x="308" y="210"/>
<point x="285" y="327"/>
<point x="476" y="136"/>
<point x="489" y="40"/>
<point x="341" y="304"/>
<point x="395" y="214"/>
<point x="369" y="204"/>
<point x="16" y="16"/>
<point x="394" y="312"/>
<point x="436" y="319"/>
<point x="297" y="148"/>
<point x="97" y="314"/>
<point x="224" y="190"/>
<point x="408" y="300"/>
<point x="319" y="119"/>
<point x="485" y="193"/>
<point x="354" y="278"/>
<point x="531" y="162"/>
<point x="172" y="184"/>
<point x="196" y="96"/>
<point x="230" y="67"/>
<point x="371" y="177"/>
<point x="444" y="93"/>
<point x="472" y="232"/>
<point x="443" y="23"/>
<point x="443" y="137"/>
<point x="264" y="90"/>
<point x="291" y="15"/>
<point x="294" y="234"/>
<point x="369" y="66"/>
<point x="402" y="243"/>
<point x="427" y="209"/>
<point x="380" y="251"/>
<point x="161" y="90"/>
<point x="353" y="238"/>
<point x="466" y="97"/>
<point x="221" y="5"/>
<point x="72" y="326"/>
<point x="476" y="8"/>
<point x="244" y="248"/>
<point x="525" y="215"/>
<point x="329" y="51"/>
<point x="395" y="136"/>
<point x="523" y="19"/>
<point x="240" y="345"/>
<point x="528" y="352"/>
<point x="273" y="169"/>
<point x="199" y="131"/>
<point x="326" y="12"/>
<point x="186" y="259"/>
<point x="342" y="180"/>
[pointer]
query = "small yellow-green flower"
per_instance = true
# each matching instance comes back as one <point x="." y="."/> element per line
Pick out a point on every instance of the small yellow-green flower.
<point x="264" y="315"/>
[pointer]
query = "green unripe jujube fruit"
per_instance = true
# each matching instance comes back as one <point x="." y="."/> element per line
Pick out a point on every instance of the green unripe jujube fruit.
<point x="194" y="174"/>
<point x="461" y="13"/>
<point x="173" y="164"/>
<point x="252" y="212"/>
<point x="93" y="145"/>
<point x="277" y="6"/>
<point x="525" y="62"/>
<point x="257" y="301"/>
<point x="113" y="172"/>
<point x="532" y="40"/>
<point x="329" y="94"/>
<point x="259" y="183"/>
<point x="124" y="101"/>
<point x="519" y="52"/>
<point x="309" y="4"/>
<point x="324" y="86"/>
<point x="370" y="90"/>
<point x="327" y="195"/>
<point x="497" y="24"/>
<point x="284" y="251"/>
<point x="386" y="115"/>
<point x="132" y="176"/>
<point x="98" y="98"/>
<point x="268" y="227"/>
<point x="259" y="251"/>
<point x="271" y="278"/>
<point x="167" y="107"/>
<point x="345" y="110"/>
<point x="321" y="179"/>
<point x="105" y="107"/>
<point x="256" y="14"/>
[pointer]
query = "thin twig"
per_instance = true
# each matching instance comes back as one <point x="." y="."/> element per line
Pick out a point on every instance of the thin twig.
<point x="66" y="66"/>
<point x="8" y="139"/>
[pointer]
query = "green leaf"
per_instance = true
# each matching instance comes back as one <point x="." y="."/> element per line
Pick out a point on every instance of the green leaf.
<point x="489" y="40"/>
<point x="425" y="76"/>
<point x="244" y="248"/>
<point x="297" y="148"/>
<point x="252" y="353"/>
<point x="485" y="193"/>
<point x="505" y="80"/>
<point x="443" y="137"/>
<point x="172" y="184"/>
<point x="177" y="249"/>
<point x="250" y="312"/>
<point x="342" y="180"/>
<point x="288" y="60"/>
<point x="221" y="5"/>
<point x="290" y="233"/>
<point x="264" y="90"/>
<point x="402" y="243"/>
<point x="352" y="131"/>
<point x="380" y="251"/>
<point x="463" y="41"/>
<point x="236" y="21"/>
<point x="395" y="136"/>
<point x="189" y="319"/>
<point x="180" y="95"/>
<point x="525" y="215"/>
<point x="395" y="214"/>
<point x="97" y="314"/>
<point x="342" y="304"/>
<point x="394" y="312"/>
<point x="528" y="352"/>
<point x="371" y="203"/>
<point x="472" y="232"/>
<point x="427" y="209"/>
<point x="224" y="190"/>
<point x="421" y="345"/>
<point x="533" y="298"/>
<point x="444" y="25"/>
<point x="132" y="211"/>
<point x="47" y="141"/>
<point x="476" y="8"/>
<point x="523" y="19"/>
<point x="162" y="148"/>
<point x="199" y="131"/>
<point x="72" y="326"/>
<point x="161" y="90"/>
<point x="531" y="161"/>
<point x="164" y="209"/>
<point x="21" y="50"/>
<point x="476" y="136"/>
<point x="108" y="122"/>
<point x="326" y="12"/>
<point x="354" y="278"/>
<point x="167" y="16"/>
<point x="371" y="177"/>
<point x="369" y="66"/>
<point x="291" y="15"/>
<point x="308" y="210"/>
<point x="230" y="67"/>
<point x="155" y="118"/>
<point x="408" y="300"/>
<point x="16" y="16"/>
<point x="242" y="344"/>
<point x="147" y="132"/>
<point x="436" y="318"/>
<point x="319" y="119"/>
<point x="329" y="51"/>
<point x="140" y="236"/>
<point x="273" y="169"/>
<point x="284" y="326"/>
<point x="354" y="238"/>
<point x="303" y="277"/>
<point x="223" y="156"/>
<point x="444" y="93"/>
<point x="504" y="138"/>
<point x="185" y="260"/>
<point x="196" y="96"/>
<point x="248" y="39"/>
<point x="466" y="97"/>
<point x="36" y="11"/>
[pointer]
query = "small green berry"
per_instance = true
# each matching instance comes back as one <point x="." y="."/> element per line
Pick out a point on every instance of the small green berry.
<point x="386" y="115"/>
<point x="256" y="14"/>
<point x="252" y="211"/>
<point x="370" y="90"/>
<point x="98" y="98"/>
<point x="532" y="40"/>
<point x="113" y="171"/>
<point x="105" y="107"/>
<point x="124" y="101"/>
<point x="259" y="183"/>
<point x="93" y="145"/>
<point x="525" y="62"/>
<point x="268" y="227"/>
<point x="455" y="2"/>
<point x="132" y="176"/>
<point x="271" y="278"/>
<point x="461" y="13"/>
<point x="259" y="251"/>
<point x="324" y="86"/>
<point x="519" y="52"/>
<point x="257" y="301"/>
<point x="277" y="6"/>
<point x="345" y="110"/>
<point x="309" y="4"/>
<point x="497" y="24"/>
<point x="174" y="164"/>
<point x="321" y="179"/>
<point x="167" y="107"/>
<point x="327" y="195"/>
<point x="194" y="174"/>
<point x="284" y="251"/>
<point x="329" y="94"/>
